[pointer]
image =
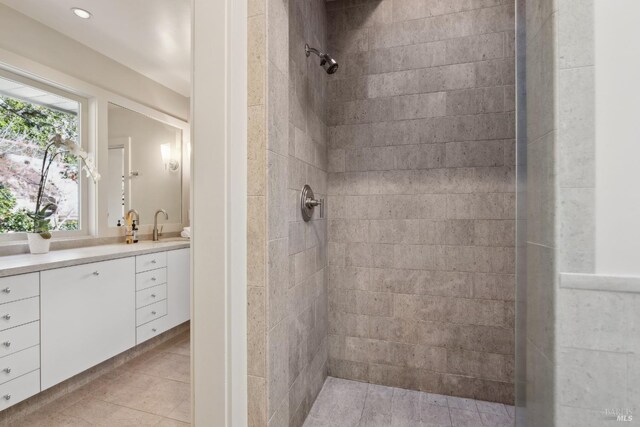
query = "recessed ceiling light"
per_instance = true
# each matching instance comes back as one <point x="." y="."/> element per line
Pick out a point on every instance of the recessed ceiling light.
<point x="81" y="13"/>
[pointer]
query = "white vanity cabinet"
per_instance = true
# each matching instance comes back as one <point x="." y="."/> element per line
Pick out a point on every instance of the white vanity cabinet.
<point x="19" y="338"/>
<point x="163" y="292"/>
<point x="179" y="293"/>
<point x="88" y="315"/>
<point x="61" y="321"/>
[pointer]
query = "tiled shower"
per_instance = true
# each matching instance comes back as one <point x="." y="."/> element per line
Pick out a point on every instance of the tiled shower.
<point x="408" y="280"/>
<point x="421" y="188"/>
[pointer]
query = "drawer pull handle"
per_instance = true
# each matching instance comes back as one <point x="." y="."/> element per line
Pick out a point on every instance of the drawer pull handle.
<point x="153" y="295"/>
<point x="7" y="397"/>
<point x="7" y="343"/>
<point x="153" y="312"/>
<point x="7" y="370"/>
<point x="7" y="317"/>
<point x="96" y="273"/>
<point x="154" y="329"/>
<point x="153" y="261"/>
<point x="153" y="279"/>
<point x="7" y="290"/>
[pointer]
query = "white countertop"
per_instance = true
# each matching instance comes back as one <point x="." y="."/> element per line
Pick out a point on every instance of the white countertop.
<point x="28" y="263"/>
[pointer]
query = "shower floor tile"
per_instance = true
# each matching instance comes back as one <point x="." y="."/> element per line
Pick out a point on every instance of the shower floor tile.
<point x="344" y="403"/>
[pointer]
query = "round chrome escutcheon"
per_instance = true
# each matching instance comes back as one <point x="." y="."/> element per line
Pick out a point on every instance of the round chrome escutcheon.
<point x="305" y="207"/>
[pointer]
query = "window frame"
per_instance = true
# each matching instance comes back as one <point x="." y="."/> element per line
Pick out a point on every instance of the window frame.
<point x="85" y="223"/>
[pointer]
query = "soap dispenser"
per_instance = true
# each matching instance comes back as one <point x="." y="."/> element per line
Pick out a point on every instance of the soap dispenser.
<point x="129" y="229"/>
<point x="134" y="233"/>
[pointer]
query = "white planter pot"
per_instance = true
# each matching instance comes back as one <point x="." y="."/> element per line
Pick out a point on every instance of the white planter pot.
<point x="38" y="245"/>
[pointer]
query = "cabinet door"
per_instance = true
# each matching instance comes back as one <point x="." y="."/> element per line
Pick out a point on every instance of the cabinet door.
<point x="178" y="281"/>
<point x="88" y="314"/>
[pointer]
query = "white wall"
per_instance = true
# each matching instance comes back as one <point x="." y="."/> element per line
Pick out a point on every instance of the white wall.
<point x="617" y="44"/>
<point x="33" y="40"/>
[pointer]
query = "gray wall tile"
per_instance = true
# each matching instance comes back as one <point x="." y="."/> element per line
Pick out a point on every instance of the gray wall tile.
<point x="257" y="396"/>
<point x="476" y="101"/>
<point x="585" y="371"/>
<point x="421" y="206"/>
<point x="366" y="159"/>
<point x="256" y="337"/>
<point x="278" y="111"/>
<point x="475" y="48"/>
<point x="419" y="106"/>
<point x="256" y="57"/>
<point x="476" y="153"/>
<point x="278" y="34"/>
<point x="256" y="151"/>
<point x="256" y="243"/>
<point x="424" y="156"/>
<point x="287" y="149"/>
<point x="576" y="45"/>
<point x="276" y="196"/>
<point x="278" y="281"/>
<point x="277" y="368"/>
<point x="576" y="103"/>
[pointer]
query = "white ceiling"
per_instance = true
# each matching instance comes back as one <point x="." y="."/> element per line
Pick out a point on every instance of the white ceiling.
<point x="153" y="37"/>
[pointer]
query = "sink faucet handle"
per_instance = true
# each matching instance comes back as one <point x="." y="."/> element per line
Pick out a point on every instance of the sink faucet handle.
<point x="157" y="233"/>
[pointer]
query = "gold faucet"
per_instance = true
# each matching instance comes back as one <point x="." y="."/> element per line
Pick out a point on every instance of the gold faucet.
<point x="135" y="212"/>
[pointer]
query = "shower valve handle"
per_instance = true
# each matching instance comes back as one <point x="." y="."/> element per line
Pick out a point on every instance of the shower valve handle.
<point x="313" y="202"/>
<point x="309" y="202"/>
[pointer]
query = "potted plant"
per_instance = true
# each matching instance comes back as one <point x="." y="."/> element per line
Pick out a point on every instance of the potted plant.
<point x="40" y="237"/>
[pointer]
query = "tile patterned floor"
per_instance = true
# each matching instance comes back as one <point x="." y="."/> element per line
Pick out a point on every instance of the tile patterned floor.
<point x="151" y="390"/>
<point x="343" y="403"/>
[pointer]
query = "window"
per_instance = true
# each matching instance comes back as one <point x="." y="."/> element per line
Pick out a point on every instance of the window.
<point x="30" y="115"/>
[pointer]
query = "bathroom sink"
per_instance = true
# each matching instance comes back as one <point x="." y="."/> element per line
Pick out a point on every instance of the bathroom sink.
<point x="176" y="239"/>
<point x="173" y="239"/>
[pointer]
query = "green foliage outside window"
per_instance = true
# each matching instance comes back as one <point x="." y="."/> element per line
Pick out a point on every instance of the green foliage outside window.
<point x="26" y="130"/>
<point x="11" y="220"/>
<point x="23" y="121"/>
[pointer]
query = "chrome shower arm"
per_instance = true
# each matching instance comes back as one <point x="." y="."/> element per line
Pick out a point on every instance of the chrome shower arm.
<point x="309" y="50"/>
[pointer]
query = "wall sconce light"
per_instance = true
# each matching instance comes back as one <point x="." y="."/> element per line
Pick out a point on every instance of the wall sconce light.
<point x="170" y="163"/>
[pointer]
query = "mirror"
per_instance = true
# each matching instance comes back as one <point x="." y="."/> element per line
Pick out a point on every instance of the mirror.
<point x="145" y="167"/>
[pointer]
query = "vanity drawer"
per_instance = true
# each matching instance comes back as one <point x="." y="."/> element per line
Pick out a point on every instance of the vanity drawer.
<point x="19" y="312"/>
<point x="23" y="286"/>
<point x="20" y="363"/>
<point x="151" y="261"/>
<point x="151" y="278"/>
<point x="17" y="390"/>
<point x="16" y="339"/>
<point x="151" y="329"/>
<point x="151" y="295"/>
<point x="151" y="312"/>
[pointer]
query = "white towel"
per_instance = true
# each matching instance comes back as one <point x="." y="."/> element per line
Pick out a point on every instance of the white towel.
<point x="186" y="232"/>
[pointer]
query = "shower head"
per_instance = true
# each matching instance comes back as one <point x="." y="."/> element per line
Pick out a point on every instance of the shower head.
<point x="328" y="63"/>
